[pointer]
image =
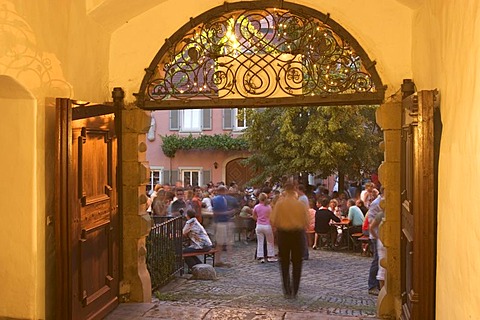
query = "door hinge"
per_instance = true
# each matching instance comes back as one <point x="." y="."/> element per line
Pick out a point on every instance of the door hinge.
<point x="50" y="220"/>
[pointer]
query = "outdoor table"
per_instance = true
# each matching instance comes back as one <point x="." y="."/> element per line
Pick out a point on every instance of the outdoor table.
<point x="344" y="225"/>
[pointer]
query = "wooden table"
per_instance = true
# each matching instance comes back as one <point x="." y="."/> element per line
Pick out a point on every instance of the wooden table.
<point x="344" y="225"/>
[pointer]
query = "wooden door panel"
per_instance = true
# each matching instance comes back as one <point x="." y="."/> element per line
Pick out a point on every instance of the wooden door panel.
<point x="418" y="217"/>
<point x="407" y="222"/>
<point x="94" y="164"/>
<point x="95" y="271"/>
<point x="90" y="227"/>
<point x="238" y="172"/>
<point x="97" y="281"/>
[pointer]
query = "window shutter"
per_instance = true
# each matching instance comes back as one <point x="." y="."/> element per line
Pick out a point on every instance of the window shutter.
<point x="173" y="176"/>
<point x="166" y="176"/>
<point x="228" y="119"/>
<point x="206" y="177"/>
<point x="174" y="120"/>
<point x="207" y="119"/>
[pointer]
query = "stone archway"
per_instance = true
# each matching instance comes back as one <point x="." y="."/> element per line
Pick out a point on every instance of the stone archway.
<point x="166" y="86"/>
<point x="260" y="54"/>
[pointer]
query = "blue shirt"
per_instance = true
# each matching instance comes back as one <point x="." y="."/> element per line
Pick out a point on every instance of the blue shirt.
<point x="220" y="209"/>
<point x="355" y="215"/>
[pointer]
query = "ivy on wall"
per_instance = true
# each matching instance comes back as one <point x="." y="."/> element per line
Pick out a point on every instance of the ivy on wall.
<point x="174" y="142"/>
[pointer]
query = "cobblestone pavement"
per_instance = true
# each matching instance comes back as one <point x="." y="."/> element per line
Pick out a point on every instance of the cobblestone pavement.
<point x="333" y="287"/>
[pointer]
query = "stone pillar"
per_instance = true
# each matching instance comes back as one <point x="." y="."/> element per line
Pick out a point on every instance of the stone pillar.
<point x="135" y="285"/>
<point x="389" y="118"/>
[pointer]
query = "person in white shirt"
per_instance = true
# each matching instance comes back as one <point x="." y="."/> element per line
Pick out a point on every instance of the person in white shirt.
<point x="369" y="194"/>
<point x="207" y="203"/>
<point x="157" y="188"/>
<point x="199" y="239"/>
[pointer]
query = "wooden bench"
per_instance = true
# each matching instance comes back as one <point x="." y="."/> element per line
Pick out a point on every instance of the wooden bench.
<point x="365" y="240"/>
<point x="355" y="238"/>
<point x="324" y="240"/>
<point x="206" y="254"/>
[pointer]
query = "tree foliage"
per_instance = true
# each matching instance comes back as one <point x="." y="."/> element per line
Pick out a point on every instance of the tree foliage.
<point x="316" y="140"/>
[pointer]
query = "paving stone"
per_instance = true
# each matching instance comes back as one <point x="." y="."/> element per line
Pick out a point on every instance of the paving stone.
<point x="314" y="316"/>
<point x="333" y="287"/>
<point x="176" y="312"/>
<point x="244" y="314"/>
<point x="127" y="311"/>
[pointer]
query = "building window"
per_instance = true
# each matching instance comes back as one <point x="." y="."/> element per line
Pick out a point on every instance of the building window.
<point x="235" y="119"/>
<point x="156" y="177"/>
<point x="191" y="120"/>
<point x="191" y="176"/>
<point x="240" y="119"/>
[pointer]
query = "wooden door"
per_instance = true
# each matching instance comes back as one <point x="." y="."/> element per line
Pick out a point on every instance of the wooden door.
<point x="238" y="172"/>
<point x="87" y="222"/>
<point x="420" y="144"/>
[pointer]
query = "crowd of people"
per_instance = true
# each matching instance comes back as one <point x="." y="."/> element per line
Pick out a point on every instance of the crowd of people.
<point x="276" y="216"/>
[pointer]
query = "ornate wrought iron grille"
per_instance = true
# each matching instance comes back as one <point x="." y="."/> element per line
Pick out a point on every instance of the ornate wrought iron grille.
<point x="243" y="56"/>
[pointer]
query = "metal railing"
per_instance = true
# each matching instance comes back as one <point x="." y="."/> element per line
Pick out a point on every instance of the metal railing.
<point x="164" y="250"/>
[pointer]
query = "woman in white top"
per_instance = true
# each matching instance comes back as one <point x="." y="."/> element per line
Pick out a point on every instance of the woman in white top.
<point x="369" y="194"/>
<point x="206" y="204"/>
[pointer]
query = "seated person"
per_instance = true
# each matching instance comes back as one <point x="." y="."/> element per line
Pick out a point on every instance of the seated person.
<point x="199" y="239"/>
<point x="311" y="214"/>
<point x="322" y="221"/>
<point x="365" y="227"/>
<point x="355" y="216"/>
<point x="359" y="203"/>
<point x="333" y="206"/>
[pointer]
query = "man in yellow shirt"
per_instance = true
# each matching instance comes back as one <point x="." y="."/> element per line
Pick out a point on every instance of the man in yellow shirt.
<point x="290" y="218"/>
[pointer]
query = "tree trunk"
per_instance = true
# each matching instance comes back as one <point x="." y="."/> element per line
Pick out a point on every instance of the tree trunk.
<point x="304" y="179"/>
<point x="341" y="182"/>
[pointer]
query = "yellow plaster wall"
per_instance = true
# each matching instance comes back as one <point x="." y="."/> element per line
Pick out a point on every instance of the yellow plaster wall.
<point x="113" y="13"/>
<point x="383" y="29"/>
<point x="21" y="204"/>
<point x="52" y="49"/>
<point x="78" y="59"/>
<point x="446" y="53"/>
<point x="55" y="48"/>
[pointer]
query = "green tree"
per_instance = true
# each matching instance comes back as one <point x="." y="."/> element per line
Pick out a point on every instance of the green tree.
<point x="316" y="140"/>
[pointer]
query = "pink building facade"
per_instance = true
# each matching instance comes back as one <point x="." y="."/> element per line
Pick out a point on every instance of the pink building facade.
<point x="199" y="167"/>
<point x="196" y="167"/>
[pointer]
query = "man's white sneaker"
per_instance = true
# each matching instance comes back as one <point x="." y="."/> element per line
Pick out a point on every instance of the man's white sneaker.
<point x="272" y="259"/>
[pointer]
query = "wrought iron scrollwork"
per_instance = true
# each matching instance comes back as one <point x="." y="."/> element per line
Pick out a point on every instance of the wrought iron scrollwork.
<point x="258" y="53"/>
<point x="22" y="59"/>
